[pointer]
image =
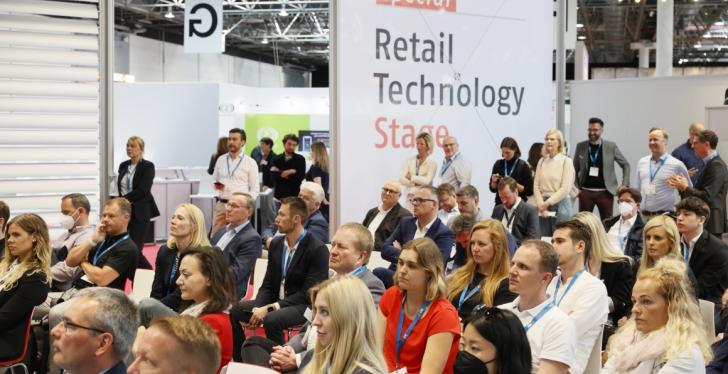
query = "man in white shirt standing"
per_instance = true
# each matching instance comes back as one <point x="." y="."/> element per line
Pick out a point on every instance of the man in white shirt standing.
<point x="549" y="330"/>
<point x="577" y="292"/>
<point x="235" y="172"/>
<point x="454" y="170"/>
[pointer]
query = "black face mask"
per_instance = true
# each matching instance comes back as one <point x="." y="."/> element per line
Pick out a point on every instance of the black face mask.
<point x="466" y="363"/>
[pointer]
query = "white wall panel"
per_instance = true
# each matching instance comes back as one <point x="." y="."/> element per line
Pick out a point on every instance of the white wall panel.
<point x="40" y="23"/>
<point x="145" y="59"/>
<point x="246" y="72"/>
<point x="31" y="88"/>
<point x="53" y="8"/>
<point x="48" y="154"/>
<point x="51" y="203"/>
<point x="270" y="75"/>
<point x="46" y="121"/>
<point x="46" y="105"/>
<point x="214" y="68"/>
<point x="44" y="56"/>
<point x="31" y="137"/>
<point x="47" y="186"/>
<point x="37" y="39"/>
<point x="48" y="73"/>
<point x="48" y="170"/>
<point x="178" y="65"/>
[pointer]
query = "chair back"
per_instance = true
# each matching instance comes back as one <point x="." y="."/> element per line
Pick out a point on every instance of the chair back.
<point x="18" y="361"/>
<point x="376" y="261"/>
<point x="261" y="265"/>
<point x="240" y="368"/>
<point x="142" y="288"/>
<point x="594" y="364"/>
<point x="707" y="311"/>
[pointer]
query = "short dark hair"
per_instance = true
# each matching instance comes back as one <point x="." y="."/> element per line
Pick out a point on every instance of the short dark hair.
<point x="297" y="207"/>
<point x="511" y="143"/>
<point x="267" y="141"/>
<point x="636" y="195"/>
<point x="596" y="120"/>
<point x="508" y="182"/>
<point x="708" y="136"/>
<point x="468" y="191"/>
<point x="288" y="137"/>
<point x="463" y="222"/>
<point x="240" y="131"/>
<point x="506" y="332"/>
<point x="4" y="214"/>
<point x="78" y="200"/>
<point x="549" y="258"/>
<point x="577" y="232"/>
<point x="695" y="205"/>
<point x="446" y="188"/>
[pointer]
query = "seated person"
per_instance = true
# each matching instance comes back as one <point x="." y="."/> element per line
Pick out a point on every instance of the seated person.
<point x="431" y="328"/>
<point x="296" y="262"/>
<point x="461" y="227"/>
<point x="468" y="202"/>
<point x="74" y="208"/>
<point x="448" y="204"/>
<point x="4" y="217"/>
<point x="382" y="220"/>
<point x="316" y="224"/>
<point x="625" y="230"/>
<point x="518" y="217"/>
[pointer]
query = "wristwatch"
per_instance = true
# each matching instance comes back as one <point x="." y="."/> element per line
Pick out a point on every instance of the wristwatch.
<point x="271" y="308"/>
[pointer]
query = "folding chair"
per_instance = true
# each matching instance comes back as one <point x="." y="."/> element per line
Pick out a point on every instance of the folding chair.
<point x="18" y="361"/>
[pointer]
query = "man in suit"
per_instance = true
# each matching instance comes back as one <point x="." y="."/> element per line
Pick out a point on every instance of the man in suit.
<point x="96" y="334"/>
<point x="625" y="229"/>
<point x="519" y="217"/>
<point x="296" y="262"/>
<point x="706" y="255"/>
<point x="313" y="194"/>
<point x="424" y="224"/>
<point x="382" y="220"/>
<point x="712" y="183"/>
<point x="595" y="175"/>
<point x="239" y="240"/>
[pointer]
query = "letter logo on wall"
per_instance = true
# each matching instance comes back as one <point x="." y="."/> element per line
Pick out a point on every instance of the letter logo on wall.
<point x="446" y="5"/>
<point x="203" y="26"/>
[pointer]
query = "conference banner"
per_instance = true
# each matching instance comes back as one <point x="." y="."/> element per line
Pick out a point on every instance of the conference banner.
<point x="473" y="69"/>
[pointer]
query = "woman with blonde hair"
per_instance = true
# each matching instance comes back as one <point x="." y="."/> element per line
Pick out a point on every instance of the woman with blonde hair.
<point x="345" y="319"/>
<point x="484" y="277"/>
<point x="319" y="173"/>
<point x="420" y="169"/>
<point x="25" y="278"/>
<point x="661" y="239"/>
<point x="666" y="333"/>
<point x="553" y="181"/>
<point x="418" y="323"/>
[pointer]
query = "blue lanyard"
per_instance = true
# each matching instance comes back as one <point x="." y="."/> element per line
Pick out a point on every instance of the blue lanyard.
<point x="100" y="253"/>
<point x="447" y="163"/>
<point x="568" y="287"/>
<point x="358" y="271"/>
<point x="230" y="173"/>
<point x="172" y="274"/>
<point x="593" y="157"/>
<point x="286" y="257"/>
<point x="686" y="251"/>
<point x="507" y="172"/>
<point x="661" y="161"/>
<point x="538" y="316"/>
<point x="465" y="295"/>
<point x="401" y="339"/>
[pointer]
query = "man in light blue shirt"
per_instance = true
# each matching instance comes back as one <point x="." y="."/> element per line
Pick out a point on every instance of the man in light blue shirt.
<point x="653" y="172"/>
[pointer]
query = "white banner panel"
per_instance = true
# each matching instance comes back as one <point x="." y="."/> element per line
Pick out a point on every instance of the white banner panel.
<point x="477" y="70"/>
<point x="203" y="26"/>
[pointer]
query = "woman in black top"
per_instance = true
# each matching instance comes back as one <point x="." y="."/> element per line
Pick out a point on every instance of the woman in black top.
<point x="512" y="166"/>
<point x="319" y="173"/>
<point x="221" y="150"/>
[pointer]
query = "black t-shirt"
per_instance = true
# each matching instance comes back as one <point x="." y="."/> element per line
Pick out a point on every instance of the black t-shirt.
<point x="502" y="295"/>
<point x="598" y="181"/>
<point x="119" y="253"/>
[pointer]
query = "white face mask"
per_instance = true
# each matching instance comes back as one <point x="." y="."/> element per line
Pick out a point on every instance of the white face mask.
<point x="625" y="208"/>
<point x="67" y="221"/>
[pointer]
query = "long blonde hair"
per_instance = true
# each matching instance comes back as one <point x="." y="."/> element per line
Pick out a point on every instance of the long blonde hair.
<point x="320" y="156"/>
<point x="602" y="249"/>
<point x="500" y="264"/>
<point x="670" y="227"/>
<point x="40" y="259"/>
<point x="356" y="343"/>
<point x="197" y="221"/>
<point x="430" y="258"/>
<point x="685" y="326"/>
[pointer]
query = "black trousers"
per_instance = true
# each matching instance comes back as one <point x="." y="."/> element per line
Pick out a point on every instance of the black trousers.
<point x="274" y="323"/>
<point x="137" y="230"/>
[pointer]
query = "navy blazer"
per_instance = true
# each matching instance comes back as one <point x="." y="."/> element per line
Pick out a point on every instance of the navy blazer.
<point x="712" y="188"/>
<point x="143" y="206"/>
<point x="405" y="231"/>
<point x="241" y="252"/>
<point x="525" y="223"/>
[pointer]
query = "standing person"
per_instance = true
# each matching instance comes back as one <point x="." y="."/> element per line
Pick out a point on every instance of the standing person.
<point x="512" y="166"/>
<point x="419" y="326"/>
<point x="235" y="171"/>
<point x="553" y="181"/>
<point x="534" y="155"/>
<point x="382" y="220"/>
<point x="420" y="169"/>
<point x="625" y="229"/>
<point x="264" y="157"/>
<point x="595" y="175"/>
<point x="220" y="150"/>
<point x="455" y="169"/>
<point x="288" y="169"/>
<point x="518" y="217"/>
<point x="319" y="173"/>
<point x="25" y="279"/>
<point x="654" y="172"/>
<point x="686" y="154"/>
<point x="136" y="176"/>
<point x="4" y="217"/>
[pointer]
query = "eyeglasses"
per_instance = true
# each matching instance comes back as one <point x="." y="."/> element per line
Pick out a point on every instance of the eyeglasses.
<point x="388" y="191"/>
<point x="446" y="145"/>
<point x="66" y="323"/>
<point x="233" y="206"/>
<point x="419" y="200"/>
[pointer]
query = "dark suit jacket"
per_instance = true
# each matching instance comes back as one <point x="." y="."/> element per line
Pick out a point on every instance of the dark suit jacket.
<point x="711" y="188"/>
<point x="388" y="224"/>
<point x="309" y="266"/>
<point x="265" y="169"/>
<point x="709" y="263"/>
<point x="618" y="279"/>
<point x="241" y="253"/>
<point x="405" y="231"/>
<point x="143" y="207"/>
<point x="525" y="221"/>
<point x="633" y="246"/>
<point x="15" y="308"/>
<point x="610" y="155"/>
<point x="316" y="224"/>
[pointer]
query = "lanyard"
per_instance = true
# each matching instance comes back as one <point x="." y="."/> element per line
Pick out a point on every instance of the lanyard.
<point x="465" y="295"/>
<point x="568" y="287"/>
<point x="593" y="157"/>
<point x="230" y="173"/>
<point x="538" y="316"/>
<point x="446" y="164"/>
<point x="661" y="161"/>
<point x="686" y="252"/>
<point x="288" y="257"/>
<point x="509" y="220"/>
<point x="507" y="172"/>
<point x="172" y="274"/>
<point x="401" y="339"/>
<point x="100" y="253"/>
<point x="358" y="271"/>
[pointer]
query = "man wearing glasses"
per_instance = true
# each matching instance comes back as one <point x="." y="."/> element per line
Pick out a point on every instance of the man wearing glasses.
<point x="424" y="224"/>
<point x="455" y="170"/>
<point x="96" y="334"/>
<point x="382" y="220"/>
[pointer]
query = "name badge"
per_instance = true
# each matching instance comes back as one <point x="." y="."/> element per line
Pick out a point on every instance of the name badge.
<point x="650" y="189"/>
<point x="400" y="371"/>
<point x="593" y="171"/>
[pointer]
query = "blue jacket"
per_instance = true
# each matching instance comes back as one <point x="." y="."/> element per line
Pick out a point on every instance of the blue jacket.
<point x="688" y="157"/>
<point x="719" y="364"/>
<point x="405" y="231"/>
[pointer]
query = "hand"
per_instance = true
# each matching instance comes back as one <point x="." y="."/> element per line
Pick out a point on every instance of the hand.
<point x="283" y="359"/>
<point x="99" y="235"/>
<point x="273" y="168"/>
<point x="397" y="245"/>
<point x="258" y="314"/>
<point x="287" y="172"/>
<point x="542" y="207"/>
<point x="677" y="182"/>
<point x="494" y="178"/>
<point x="693" y="171"/>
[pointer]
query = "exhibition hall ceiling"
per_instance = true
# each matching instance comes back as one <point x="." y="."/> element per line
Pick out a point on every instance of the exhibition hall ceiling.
<point x="295" y="33"/>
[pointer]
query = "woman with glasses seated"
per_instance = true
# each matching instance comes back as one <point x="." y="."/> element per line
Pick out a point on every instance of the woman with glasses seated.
<point x="494" y="341"/>
<point x="25" y="278"/>
<point x="420" y="327"/>
<point x="484" y="277"/>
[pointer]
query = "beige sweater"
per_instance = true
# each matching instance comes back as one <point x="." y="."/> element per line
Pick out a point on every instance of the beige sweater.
<point x="554" y="178"/>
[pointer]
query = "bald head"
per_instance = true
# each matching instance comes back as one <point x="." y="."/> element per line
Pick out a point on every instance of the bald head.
<point x="391" y="191"/>
<point x="695" y="129"/>
<point x="450" y="146"/>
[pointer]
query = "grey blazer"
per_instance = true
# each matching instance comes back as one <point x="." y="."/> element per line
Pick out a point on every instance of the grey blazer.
<point x="525" y="221"/>
<point x="610" y="155"/>
<point x="241" y="253"/>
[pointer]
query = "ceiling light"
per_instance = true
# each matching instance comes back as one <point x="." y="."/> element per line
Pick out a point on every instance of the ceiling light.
<point x="169" y="15"/>
<point x="264" y="41"/>
<point x="581" y="37"/>
<point x="579" y="25"/>
<point x="637" y="1"/>
<point x="283" y="13"/>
